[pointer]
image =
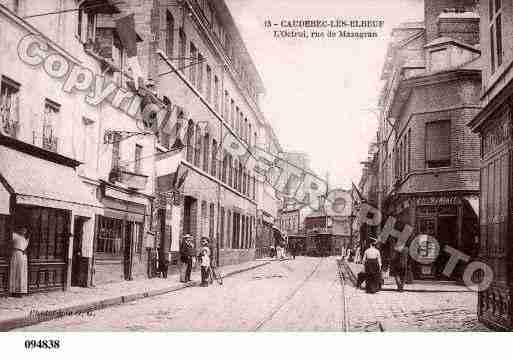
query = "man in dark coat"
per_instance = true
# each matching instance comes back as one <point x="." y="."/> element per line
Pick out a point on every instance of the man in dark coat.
<point x="186" y="255"/>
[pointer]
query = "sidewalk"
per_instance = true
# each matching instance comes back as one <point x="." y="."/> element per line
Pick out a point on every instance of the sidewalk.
<point x="422" y="306"/>
<point x="40" y="307"/>
<point x="416" y="286"/>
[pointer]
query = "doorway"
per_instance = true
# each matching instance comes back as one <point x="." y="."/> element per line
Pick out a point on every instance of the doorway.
<point x="78" y="277"/>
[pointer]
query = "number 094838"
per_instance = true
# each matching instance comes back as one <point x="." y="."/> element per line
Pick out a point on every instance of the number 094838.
<point x="42" y="344"/>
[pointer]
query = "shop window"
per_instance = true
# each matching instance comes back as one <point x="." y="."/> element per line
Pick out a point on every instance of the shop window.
<point x="438" y="144"/>
<point x="9" y="107"/>
<point x="110" y="236"/>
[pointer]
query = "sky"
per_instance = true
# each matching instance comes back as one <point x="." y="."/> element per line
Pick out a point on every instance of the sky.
<point x="320" y="92"/>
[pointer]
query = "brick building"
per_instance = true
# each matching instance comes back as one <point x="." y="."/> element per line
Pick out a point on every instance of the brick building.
<point x="494" y="125"/>
<point x="428" y="157"/>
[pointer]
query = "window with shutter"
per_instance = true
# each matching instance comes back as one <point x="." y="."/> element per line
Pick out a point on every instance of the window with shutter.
<point x="438" y="144"/>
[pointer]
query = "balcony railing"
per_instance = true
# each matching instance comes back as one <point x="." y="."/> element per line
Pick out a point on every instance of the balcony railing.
<point x="50" y="143"/>
<point x="120" y="173"/>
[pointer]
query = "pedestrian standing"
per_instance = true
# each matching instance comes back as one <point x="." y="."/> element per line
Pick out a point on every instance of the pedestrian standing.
<point x="204" y="259"/>
<point x="18" y="265"/>
<point x="292" y="248"/>
<point x="398" y="267"/>
<point x="186" y="255"/>
<point x="372" y="264"/>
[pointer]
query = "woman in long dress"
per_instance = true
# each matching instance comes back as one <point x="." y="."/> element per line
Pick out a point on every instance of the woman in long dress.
<point x="18" y="278"/>
<point x="372" y="263"/>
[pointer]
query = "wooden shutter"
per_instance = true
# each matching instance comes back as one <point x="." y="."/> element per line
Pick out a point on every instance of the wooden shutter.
<point x="438" y="141"/>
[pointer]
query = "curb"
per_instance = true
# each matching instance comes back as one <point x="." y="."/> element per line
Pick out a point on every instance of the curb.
<point x="87" y="308"/>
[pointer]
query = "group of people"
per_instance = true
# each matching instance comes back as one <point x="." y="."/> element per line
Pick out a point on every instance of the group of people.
<point x="205" y="257"/>
<point x="373" y="267"/>
<point x="282" y="248"/>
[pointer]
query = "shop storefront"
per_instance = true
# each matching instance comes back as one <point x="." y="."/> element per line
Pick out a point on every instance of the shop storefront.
<point x="56" y="208"/>
<point x="119" y="247"/>
<point x="496" y="227"/>
<point x="450" y="218"/>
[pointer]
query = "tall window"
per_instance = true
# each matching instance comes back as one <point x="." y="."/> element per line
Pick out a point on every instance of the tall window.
<point x="226" y="104"/>
<point x="221" y="228"/>
<point x="116" y="150"/>
<point x="86" y="24"/>
<point x="206" y="154"/>
<point x="495" y="17"/>
<point x="170" y="25"/>
<point x="213" y="166"/>
<point x="209" y="84"/>
<point x="225" y="167"/>
<point x="197" y="149"/>
<point x="438" y="144"/>
<point x="9" y="107"/>
<point x="138" y="156"/>
<point x="50" y="124"/>
<point x="216" y="93"/>
<point x="200" y="72"/>
<point x="409" y="149"/>
<point x="190" y="142"/>
<point x="182" y="48"/>
<point x="211" y="221"/>
<point x="232" y="111"/>
<point x="192" y="69"/>
<point x="249" y="135"/>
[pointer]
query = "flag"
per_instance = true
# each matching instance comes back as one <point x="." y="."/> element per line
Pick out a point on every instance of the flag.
<point x="125" y="27"/>
<point x="359" y="197"/>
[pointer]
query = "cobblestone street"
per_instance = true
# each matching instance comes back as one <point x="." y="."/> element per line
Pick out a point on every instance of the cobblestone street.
<point x="295" y="295"/>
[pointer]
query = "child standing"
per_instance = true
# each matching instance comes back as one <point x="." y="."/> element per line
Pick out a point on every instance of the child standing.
<point x="204" y="257"/>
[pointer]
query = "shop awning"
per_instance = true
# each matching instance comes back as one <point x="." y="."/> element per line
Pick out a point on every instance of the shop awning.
<point x="40" y="182"/>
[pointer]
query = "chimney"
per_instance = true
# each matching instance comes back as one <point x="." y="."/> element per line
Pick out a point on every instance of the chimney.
<point x="434" y="8"/>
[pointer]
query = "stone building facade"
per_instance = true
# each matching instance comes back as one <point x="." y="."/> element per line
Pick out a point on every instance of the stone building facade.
<point x="101" y="210"/>
<point x="493" y="123"/>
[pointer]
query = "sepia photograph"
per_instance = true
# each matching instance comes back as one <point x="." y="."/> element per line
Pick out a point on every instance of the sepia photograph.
<point x="255" y="166"/>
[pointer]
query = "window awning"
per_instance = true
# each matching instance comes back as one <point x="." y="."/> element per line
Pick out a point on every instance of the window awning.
<point x="40" y="182"/>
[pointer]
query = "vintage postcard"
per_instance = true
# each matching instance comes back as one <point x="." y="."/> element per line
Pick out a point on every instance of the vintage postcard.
<point x="255" y="166"/>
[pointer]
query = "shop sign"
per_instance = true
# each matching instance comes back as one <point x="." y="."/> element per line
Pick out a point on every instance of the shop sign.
<point x="497" y="135"/>
<point x="440" y="201"/>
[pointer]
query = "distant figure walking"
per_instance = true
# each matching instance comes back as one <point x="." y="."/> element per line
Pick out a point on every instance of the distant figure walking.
<point x="18" y="278"/>
<point x="372" y="264"/>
